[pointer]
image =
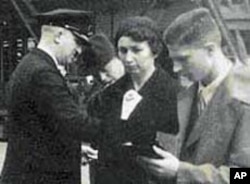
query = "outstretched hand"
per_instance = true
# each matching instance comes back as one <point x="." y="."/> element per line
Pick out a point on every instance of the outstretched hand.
<point x="88" y="154"/>
<point x="165" y="167"/>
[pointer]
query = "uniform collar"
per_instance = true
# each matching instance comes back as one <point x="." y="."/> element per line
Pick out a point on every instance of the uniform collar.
<point x="61" y="68"/>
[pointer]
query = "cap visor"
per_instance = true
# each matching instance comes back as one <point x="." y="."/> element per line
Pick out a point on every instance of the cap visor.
<point x="83" y="38"/>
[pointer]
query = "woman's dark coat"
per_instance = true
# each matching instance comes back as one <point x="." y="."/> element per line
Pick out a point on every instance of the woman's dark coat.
<point x="155" y="112"/>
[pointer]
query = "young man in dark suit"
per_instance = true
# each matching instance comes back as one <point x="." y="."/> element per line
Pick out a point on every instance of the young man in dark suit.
<point x="216" y="136"/>
<point x="46" y="126"/>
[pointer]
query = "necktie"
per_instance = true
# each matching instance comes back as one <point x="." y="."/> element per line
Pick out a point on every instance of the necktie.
<point x="201" y="102"/>
<point x="196" y="110"/>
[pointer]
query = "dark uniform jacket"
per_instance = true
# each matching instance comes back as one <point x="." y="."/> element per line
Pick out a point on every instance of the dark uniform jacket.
<point x="45" y="128"/>
<point x="157" y="111"/>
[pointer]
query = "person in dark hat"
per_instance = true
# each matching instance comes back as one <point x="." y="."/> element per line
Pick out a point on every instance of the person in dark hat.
<point x="79" y="22"/>
<point x="104" y="68"/>
<point x="46" y="126"/>
<point x="101" y="57"/>
<point x="104" y="59"/>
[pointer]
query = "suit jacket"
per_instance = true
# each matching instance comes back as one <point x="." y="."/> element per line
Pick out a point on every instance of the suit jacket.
<point x="157" y="111"/>
<point x="219" y="137"/>
<point x="46" y="127"/>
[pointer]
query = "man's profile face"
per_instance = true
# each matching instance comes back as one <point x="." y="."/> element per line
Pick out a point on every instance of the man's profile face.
<point x="191" y="63"/>
<point x="70" y="48"/>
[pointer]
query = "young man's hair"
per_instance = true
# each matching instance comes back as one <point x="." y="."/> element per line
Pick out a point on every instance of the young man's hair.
<point x="140" y="28"/>
<point x="193" y="28"/>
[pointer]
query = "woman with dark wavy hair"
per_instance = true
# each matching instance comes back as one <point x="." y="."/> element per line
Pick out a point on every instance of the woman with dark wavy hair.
<point x="134" y="108"/>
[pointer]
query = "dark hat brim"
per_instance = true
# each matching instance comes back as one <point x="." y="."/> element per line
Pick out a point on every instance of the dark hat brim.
<point x="82" y="37"/>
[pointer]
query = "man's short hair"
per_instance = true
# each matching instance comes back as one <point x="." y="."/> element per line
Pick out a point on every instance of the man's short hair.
<point x="193" y="28"/>
<point x="140" y="28"/>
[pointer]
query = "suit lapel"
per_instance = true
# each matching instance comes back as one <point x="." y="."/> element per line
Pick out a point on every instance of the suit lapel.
<point x="209" y="115"/>
<point x="184" y="105"/>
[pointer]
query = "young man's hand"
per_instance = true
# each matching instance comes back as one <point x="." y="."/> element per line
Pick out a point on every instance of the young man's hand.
<point x="166" y="167"/>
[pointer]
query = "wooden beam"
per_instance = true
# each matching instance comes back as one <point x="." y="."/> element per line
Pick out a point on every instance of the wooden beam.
<point x="1" y="61"/>
<point x="230" y="3"/>
<point x="23" y="18"/>
<point x="213" y="6"/>
<point x="241" y="45"/>
<point x="238" y="24"/>
<point x="246" y="5"/>
<point x="31" y="8"/>
<point x="236" y="12"/>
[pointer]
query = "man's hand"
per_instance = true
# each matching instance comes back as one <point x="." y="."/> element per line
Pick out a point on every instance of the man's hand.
<point x="163" y="168"/>
<point x="88" y="154"/>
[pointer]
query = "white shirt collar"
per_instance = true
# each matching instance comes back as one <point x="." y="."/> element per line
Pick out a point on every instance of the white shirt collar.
<point x="208" y="91"/>
<point x="61" y="68"/>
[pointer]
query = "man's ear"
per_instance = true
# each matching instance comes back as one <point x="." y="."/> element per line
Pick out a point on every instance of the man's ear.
<point x="58" y="36"/>
<point x="210" y="48"/>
